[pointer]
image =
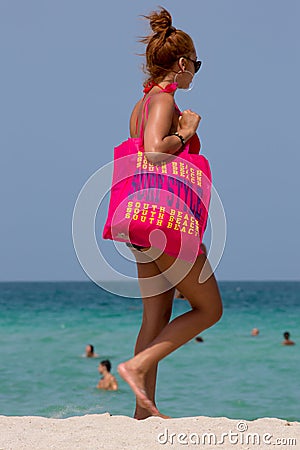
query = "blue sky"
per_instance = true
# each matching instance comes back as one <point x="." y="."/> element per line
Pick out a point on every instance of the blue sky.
<point x="70" y="75"/>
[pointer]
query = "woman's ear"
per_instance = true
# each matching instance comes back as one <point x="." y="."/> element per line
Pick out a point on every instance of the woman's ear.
<point x="182" y="64"/>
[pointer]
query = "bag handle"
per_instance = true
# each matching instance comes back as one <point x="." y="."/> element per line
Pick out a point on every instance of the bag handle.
<point x="145" y="109"/>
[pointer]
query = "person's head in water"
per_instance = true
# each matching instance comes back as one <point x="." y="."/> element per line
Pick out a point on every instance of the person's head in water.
<point x="108" y="381"/>
<point x="170" y="53"/>
<point x="255" y="332"/>
<point x="89" y="350"/>
<point x="287" y="340"/>
<point x="104" y="366"/>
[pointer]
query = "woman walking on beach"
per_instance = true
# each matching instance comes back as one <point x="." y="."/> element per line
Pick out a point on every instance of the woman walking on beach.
<point x="171" y="64"/>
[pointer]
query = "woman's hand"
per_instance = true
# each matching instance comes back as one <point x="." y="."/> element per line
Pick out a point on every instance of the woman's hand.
<point x="188" y="123"/>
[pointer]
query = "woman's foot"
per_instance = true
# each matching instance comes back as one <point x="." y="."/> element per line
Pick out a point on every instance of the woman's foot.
<point x="136" y="381"/>
<point x="142" y="413"/>
<point x="145" y="416"/>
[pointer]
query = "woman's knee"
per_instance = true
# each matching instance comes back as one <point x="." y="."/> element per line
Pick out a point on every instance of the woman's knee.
<point x="214" y="314"/>
<point x="211" y="315"/>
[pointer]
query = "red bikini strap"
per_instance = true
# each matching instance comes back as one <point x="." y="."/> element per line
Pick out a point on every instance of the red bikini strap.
<point x="145" y="109"/>
<point x="150" y="85"/>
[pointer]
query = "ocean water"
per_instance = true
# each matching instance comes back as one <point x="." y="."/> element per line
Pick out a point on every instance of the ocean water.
<point x="44" y="328"/>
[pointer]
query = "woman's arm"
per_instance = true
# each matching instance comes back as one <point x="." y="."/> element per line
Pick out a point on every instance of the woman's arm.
<point x="157" y="138"/>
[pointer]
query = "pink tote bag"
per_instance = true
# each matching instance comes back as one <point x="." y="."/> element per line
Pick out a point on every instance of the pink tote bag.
<point x="163" y="205"/>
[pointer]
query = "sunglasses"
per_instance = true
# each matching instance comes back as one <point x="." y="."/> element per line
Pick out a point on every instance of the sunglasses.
<point x="197" y="63"/>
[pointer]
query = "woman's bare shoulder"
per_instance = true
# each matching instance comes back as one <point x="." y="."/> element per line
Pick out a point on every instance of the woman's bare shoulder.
<point x="161" y="98"/>
<point x="162" y="102"/>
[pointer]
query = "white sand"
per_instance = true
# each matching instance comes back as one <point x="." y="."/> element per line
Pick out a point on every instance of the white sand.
<point x="93" y="432"/>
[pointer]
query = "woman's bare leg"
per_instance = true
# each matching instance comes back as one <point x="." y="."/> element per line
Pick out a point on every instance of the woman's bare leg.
<point x="206" y="310"/>
<point x="156" y="314"/>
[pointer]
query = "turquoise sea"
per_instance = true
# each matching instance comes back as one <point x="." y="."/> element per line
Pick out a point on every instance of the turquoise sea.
<point x="44" y="328"/>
